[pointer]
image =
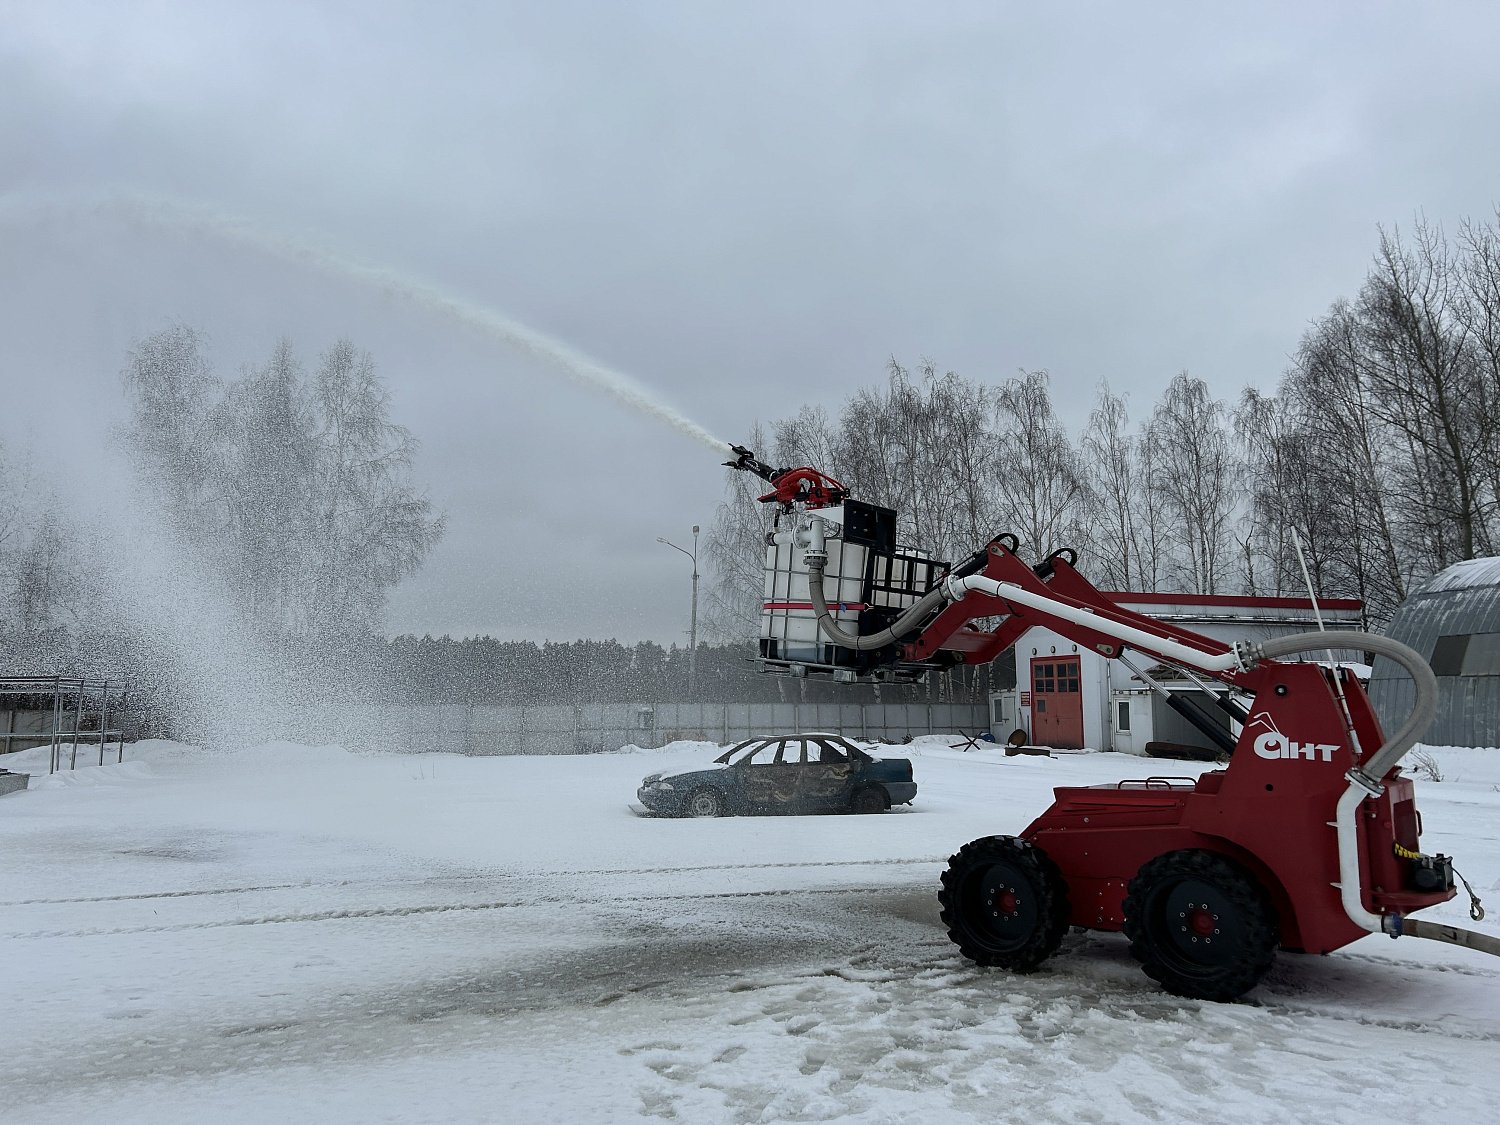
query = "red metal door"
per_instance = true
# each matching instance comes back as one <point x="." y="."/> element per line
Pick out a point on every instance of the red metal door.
<point x="1056" y="702"/>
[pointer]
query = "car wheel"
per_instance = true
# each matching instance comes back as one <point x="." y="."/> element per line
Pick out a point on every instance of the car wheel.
<point x="1005" y="903"/>
<point x="703" y="802"/>
<point x="867" y="800"/>
<point x="1200" y="924"/>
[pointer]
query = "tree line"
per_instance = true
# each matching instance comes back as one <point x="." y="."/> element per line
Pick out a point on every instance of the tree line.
<point x="1379" y="450"/>
<point x="283" y="496"/>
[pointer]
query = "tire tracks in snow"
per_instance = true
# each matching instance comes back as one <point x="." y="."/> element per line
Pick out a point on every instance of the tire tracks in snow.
<point x="474" y="878"/>
<point x="1442" y="1026"/>
<point x="439" y="908"/>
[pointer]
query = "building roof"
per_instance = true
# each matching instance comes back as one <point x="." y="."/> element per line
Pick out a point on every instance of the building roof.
<point x="1473" y="574"/>
<point x="1235" y="601"/>
<point x="1460" y="601"/>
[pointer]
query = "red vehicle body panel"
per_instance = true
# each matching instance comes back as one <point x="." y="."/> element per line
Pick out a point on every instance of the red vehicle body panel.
<point x="1271" y="810"/>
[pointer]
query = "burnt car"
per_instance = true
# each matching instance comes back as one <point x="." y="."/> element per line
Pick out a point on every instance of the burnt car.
<point x="790" y="773"/>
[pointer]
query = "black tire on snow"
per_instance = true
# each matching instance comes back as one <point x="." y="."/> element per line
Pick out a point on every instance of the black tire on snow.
<point x="868" y="800"/>
<point x="1005" y="903"/>
<point x="704" y="802"/>
<point x="1200" y="925"/>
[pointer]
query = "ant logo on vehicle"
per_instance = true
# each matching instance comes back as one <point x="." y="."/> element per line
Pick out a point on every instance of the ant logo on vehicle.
<point x="1274" y="745"/>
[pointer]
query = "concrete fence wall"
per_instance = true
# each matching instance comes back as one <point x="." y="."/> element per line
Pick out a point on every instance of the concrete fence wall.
<point x="594" y="728"/>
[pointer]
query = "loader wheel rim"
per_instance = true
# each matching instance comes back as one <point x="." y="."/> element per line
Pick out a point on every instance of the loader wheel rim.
<point x="1202" y="929"/>
<point x="1003" y="907"/>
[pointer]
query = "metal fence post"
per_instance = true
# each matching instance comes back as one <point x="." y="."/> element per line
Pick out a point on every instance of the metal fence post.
<point x="56" y="719"/>
<point x="124" y="712"/>
<point x="103" y="721"/>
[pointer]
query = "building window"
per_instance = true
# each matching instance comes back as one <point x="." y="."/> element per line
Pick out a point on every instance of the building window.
<point x="1000" y="716"/>
<point x="1448" y="655"/>
<point x="1482" y="657"/>
<point x="1044" y="678"/>
<point x="1122" y="724"/>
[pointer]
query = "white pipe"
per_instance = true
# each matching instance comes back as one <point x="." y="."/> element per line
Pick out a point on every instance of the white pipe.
<point x="1365" y="780"/>
<point x="1139" y="638"/>
<point x="1346" y="826"/>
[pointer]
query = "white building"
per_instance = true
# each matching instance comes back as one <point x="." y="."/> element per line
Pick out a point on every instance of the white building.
<point x="1067" y="696"/>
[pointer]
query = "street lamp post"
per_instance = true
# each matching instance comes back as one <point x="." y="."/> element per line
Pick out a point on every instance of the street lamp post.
<point x="693" y="627"/>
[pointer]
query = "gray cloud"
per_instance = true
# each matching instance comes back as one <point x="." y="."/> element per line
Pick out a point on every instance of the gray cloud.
<point x="746" y="207"/>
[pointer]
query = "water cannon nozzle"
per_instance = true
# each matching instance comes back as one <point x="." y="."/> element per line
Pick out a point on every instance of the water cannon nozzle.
<point x="746" y="460"/>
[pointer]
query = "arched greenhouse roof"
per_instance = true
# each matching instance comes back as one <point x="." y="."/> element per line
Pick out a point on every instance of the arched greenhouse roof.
<point x="1452" y="619"/>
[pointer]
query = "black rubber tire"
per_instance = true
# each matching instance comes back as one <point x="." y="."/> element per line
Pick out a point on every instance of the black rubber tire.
<point x="1201" y="925"/>
<point x="704" y="802"/>
<point x="868" y="800"/>
<point x="1005" y="903"/>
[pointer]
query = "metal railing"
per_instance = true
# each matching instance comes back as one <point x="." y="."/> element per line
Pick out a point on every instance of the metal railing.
<point x="98" y="698"/>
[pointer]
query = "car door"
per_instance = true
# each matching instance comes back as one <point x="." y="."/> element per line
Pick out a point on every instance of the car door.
<point x="827" y="774"/>
<point x="767" y="778"/>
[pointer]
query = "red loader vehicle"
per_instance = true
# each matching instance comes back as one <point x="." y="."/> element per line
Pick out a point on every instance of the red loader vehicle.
<point x="1306" y="841"/>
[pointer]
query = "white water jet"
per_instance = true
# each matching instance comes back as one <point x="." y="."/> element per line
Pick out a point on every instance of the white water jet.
<point x="159" y="213"/>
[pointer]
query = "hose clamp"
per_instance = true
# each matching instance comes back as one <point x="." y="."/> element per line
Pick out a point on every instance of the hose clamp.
<point x="1364" y="781"/>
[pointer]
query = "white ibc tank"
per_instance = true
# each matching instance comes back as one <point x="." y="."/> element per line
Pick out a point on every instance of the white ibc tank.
<point x="867" y="582"/>
<point x="787" y="618"/>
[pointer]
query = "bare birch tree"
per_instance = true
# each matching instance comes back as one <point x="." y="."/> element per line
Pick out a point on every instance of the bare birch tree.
<point x="1426" y="384"/>
<point x="735" y="551"/>
<point x="1111" y="470"/>
<point x="294" y="489"/>
<point x="1196" y="481"/>
<point x="1038" y="481"/>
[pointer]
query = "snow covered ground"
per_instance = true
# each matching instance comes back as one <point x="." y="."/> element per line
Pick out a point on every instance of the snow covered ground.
<point x="295" y="933"/>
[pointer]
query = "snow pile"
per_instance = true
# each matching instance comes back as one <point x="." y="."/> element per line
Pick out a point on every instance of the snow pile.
<point x="708" y="750"/>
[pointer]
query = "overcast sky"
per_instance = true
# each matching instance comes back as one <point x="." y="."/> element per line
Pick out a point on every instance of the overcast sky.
<point x="747" y="207"/>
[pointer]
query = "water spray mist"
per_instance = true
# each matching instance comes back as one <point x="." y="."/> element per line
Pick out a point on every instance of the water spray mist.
<point x="163" y="214"/>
